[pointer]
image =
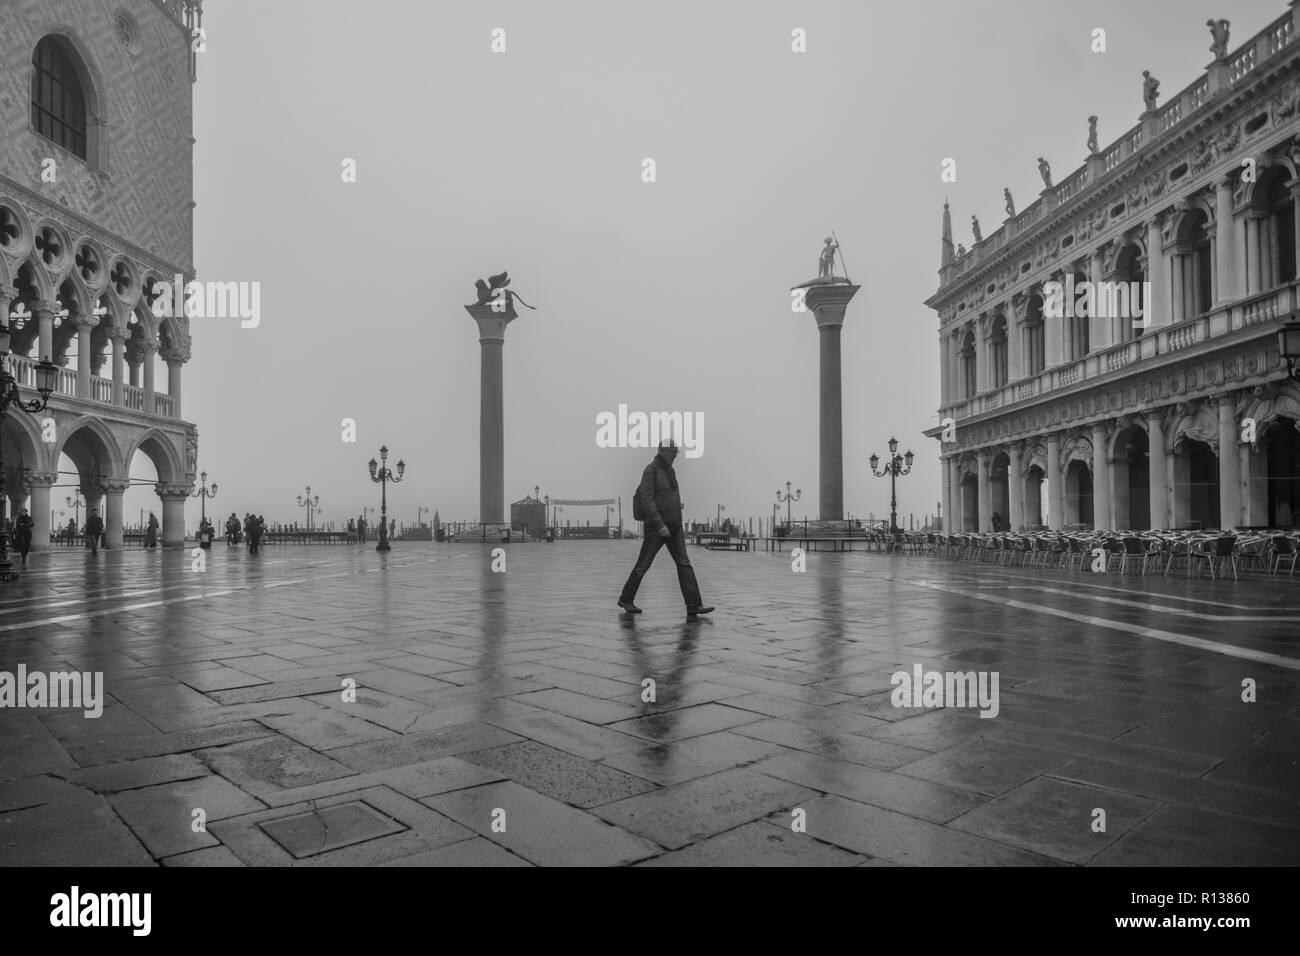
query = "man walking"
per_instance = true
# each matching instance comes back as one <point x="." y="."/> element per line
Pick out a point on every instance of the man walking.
<point x="23" y="534"/>
<point x="94" y="529"/>
<point x="659" y="505"/>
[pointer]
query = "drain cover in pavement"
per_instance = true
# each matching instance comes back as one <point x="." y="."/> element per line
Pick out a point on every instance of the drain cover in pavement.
<point x="319" y="831"/>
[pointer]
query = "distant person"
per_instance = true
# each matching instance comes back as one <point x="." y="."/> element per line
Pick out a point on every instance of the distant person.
<point x="660" y="506"/>
<point x="248" y="532"/>
<point x="71" y="530"/>
<point x="257" y="526"/>
<point x="361" y="528"/>
<point x="997" y="521"/>
<point x="232" y="529"/>
<point x="23" y="530"/>
<point x="94" y="528"/>
<point x="151" y="532"/>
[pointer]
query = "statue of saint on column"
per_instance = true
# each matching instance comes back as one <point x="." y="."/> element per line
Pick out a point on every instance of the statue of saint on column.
<point x="826" y="266"/>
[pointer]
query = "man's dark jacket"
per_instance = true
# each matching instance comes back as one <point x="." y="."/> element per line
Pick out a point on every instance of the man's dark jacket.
<point x="94" y="525"/>
<point x="660" y="500"/>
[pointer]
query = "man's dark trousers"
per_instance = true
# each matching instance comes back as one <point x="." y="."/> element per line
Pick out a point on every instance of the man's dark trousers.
<point x="685" y="573"/>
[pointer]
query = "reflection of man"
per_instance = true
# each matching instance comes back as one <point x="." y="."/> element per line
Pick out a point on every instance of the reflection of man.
<point x="826" y="266"/>
<point x="661" y="509"/>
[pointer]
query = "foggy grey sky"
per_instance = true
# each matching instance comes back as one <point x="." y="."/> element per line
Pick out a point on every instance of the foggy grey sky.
<point x="665" y="296"/>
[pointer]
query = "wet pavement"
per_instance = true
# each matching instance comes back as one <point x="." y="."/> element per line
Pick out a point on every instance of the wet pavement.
<point x="520" y="718"/>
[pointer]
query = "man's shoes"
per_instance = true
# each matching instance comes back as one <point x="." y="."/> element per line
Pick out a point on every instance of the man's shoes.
<point x="629" y="607"/>
<point x="695" y="611"/>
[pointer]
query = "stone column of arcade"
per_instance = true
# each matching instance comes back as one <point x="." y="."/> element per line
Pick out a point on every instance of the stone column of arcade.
<point x="1055" y="484"/>
<point x="173" y="512"/>
<point x="175" y="359"/>
<point x="492" y="441"/>
<point x="114" y="489"/>
<point x="1229" y="464"/>
<point x="118" y="338"/>
<point x="44" y="312"/>
<point x="40" y="509"/>
<point x="1158" y="489"/>
<point x="147" y="351"/>
<point x="84" y="323"/>
<point x="1101" y="516"/>
<point x="827" y="303"/>
<point x="1015" y="489"/>
<point x="94" y="498"/>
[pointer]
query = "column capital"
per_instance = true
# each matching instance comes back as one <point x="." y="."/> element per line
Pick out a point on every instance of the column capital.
<point x="174" y="355"/>
<point x="149" y="345"/>
<point x="38" y="478"/>
<point x="114" y="486"/>
<point x="84" y="322"/>
<point x="115" y="334"/>
<point x="8" y="292"/>
<point x="43" y="307"/>
<point x="173" y="491"/>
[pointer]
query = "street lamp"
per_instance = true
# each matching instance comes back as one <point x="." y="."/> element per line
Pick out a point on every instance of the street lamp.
<point x="798" y="493"/>
<point x="203" y="494"/>
<point x="76" y="504"/>
<point x="1288" y="343"/>
<point x="382" y="475"/>
<point x="309" y="503"/>
<point x="893" y="468"/>
<point x="46" y="378"/>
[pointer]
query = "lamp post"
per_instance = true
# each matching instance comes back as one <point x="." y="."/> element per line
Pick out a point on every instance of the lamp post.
<point x="203" y="494"/>
<point x="382" y="475"/>
<point x="46" y="377"/>
<point x="893" y="468"/>
<point x="309" y="503"/>
<point x="798" y="493"/>
<point x="76" y="504"/>
<point x="1288" y="343"/>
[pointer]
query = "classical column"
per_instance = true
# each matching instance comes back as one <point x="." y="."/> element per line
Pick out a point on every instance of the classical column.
<point x="173" y="512"/>
<point x="175" y="359"/>
<point x="44" y="312"/>
<point x="1225" y="259"/>
<point x="1157" y="472"/>
<point x="1055" y="484"/>
<point x="134" y="360"/>
<point x="983" y="351"/>
<point x="114" y="488"/>
<point x="1229" y="463"/>
<point x="40" y="485"/>
<point x="492" y="426"/>
<point x="1015" y="345"/>
<point x="956" y="520"/>
<point x="1015" y="489"/>
<point x="1099" y="321"/>
<point x="985" y="491"/>
<point x="84" y="323"/>
<point x="1053" y="335"/>
<point x="7" y="294"/>
<point x="1101" y="516"/>
<point x="1160" y="309"/>
<point x="118" y="338"/>
<point x="827" y="303"/>
<point x="147" y="350"/>
<point x="945" y="396"/>
<point x="1254" y="272"/>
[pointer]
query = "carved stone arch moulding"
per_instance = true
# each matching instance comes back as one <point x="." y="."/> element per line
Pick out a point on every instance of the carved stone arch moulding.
<point x="1076" y="448"/>
<point x="967" y="467"/>
<point x="1268" y="405"/>
<point x="1199" y="422"/>
<point x="1034" y="454"/>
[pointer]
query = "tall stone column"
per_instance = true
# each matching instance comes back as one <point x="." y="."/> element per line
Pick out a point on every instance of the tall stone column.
<point x="985" y="491"/>
<point x="1254" y="272"/>
<point x="147" y="351"/>
<point x="1229" y="463"/>
<point x="1160" y="309"/>
<point x="1015" y="346"/>
<point x="983" y="352"/>
<point x="1015" y="489"/>
<point x="945" y="396"/>
<point x="175" y="359"/>
<point x="1225" y="258"/>
<point x="44" y="313"/>
<point x="827" y="304"/>
<point x="40" y="485"/>
<point x="491" y="428"/>
<point x="173" y="512"/>
<point x="114" y="489"/>
<point x="85" y="323"/>
<point x="1157" y="471"/>
<point x="945" y="465"/>
<point x="1099" y="325"/>
<point x="1053" y="335"/>
<point x="1101" y="516"/>
<point x="118" y="338"/>
<point x="1055" y="483"/>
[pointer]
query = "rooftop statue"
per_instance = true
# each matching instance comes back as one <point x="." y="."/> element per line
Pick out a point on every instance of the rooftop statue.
<point x="1219" y="34"/>
<point x="826" y="266"/>
<point x="975" y="228"/>
<point x="494" y="291"/>
<point x="1045" y="170"/>
<point x="1150" y="90"/>
<point x="1092" y="135"/>
<point x="1010" y="203"/>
